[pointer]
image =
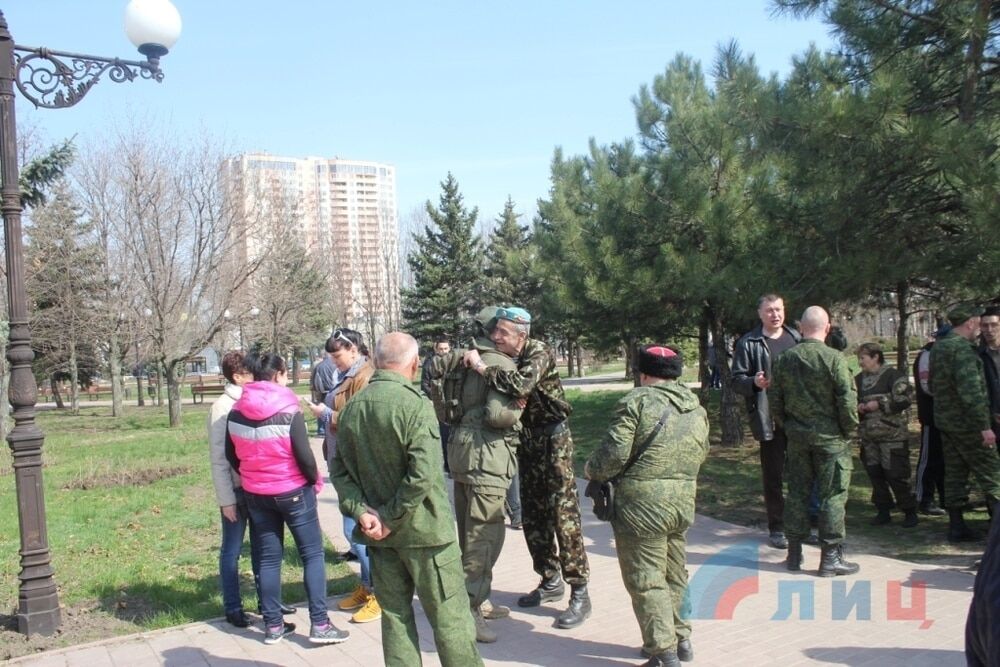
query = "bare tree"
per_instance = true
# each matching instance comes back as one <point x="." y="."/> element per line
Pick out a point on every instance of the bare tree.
<point x="179" y="240"/>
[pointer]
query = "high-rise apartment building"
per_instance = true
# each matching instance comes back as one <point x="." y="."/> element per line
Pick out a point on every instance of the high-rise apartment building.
<point x="345" y="211"/>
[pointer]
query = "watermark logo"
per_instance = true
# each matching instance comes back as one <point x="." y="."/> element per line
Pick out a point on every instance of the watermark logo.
<point x="732" y="575"/>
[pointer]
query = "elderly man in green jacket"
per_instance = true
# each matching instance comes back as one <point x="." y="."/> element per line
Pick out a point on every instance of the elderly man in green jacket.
<point x="388" y="474"/>
<point x="654" y="449"/>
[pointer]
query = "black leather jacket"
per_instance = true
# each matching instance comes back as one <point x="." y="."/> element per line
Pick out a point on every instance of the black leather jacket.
<point x="751" y="355"/>
<point x="992" y="386"/>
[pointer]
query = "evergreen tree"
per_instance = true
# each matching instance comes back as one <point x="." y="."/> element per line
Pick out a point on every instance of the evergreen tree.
<point x="447" y="267"/>
<point x="510" y="260"/>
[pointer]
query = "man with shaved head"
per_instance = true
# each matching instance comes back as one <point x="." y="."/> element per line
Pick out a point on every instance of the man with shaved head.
<point x="813" y="399"/>
<point x="388" y="472"/>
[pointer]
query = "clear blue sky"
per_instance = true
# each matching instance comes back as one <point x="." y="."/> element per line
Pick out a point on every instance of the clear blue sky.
<point x="485" y="90"/>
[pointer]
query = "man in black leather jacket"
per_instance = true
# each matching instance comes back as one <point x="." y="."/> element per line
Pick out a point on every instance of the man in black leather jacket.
<point x="751" y="372"/>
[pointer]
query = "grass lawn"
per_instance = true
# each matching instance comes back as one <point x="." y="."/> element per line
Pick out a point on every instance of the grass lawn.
<point x="729" y="489"/>
<point x="133" y="527"/>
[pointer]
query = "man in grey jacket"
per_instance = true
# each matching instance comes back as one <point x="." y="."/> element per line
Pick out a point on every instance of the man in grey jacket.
<point x="753" y="357"/>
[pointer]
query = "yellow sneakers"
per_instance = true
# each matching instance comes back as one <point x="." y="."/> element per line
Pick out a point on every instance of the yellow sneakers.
<point x="356" y="599"/>
<point x="370" y="612"/>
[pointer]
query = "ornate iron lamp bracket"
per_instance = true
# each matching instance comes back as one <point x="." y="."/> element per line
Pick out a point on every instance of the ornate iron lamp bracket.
<point x="44" y="77"/>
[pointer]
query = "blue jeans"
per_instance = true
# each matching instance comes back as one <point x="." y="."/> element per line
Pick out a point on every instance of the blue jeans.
<point x="360" y="550"/>
<point x="297" y="510"/>
<point x="229" y="556"/>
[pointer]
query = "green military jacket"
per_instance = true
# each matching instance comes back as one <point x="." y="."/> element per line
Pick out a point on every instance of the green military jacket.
<point x="662" y="482"/>
<point x="894" y="393"/>
<point x="536" y="379"/>
<point x="812" y="393"/>
<point x="961" y="404"/>
<point x="388" y="457"/>
<point x="482" y="448"/>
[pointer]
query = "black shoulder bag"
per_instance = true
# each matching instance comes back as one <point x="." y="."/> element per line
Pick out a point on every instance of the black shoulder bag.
<point x="603" y="493"/>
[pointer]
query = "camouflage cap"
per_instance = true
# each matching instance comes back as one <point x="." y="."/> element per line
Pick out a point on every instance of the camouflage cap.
<point x="962" y="313"/>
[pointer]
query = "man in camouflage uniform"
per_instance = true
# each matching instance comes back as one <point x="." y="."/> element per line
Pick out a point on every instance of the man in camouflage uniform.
<point x="388" y="473"/>
<point x="549" y="503"/>
<point x="482" y="454"/>
<point x="813" y="400"/>
<point x="961" y="414"/>
<point x="654" y="449"/>
<point x="884" y="396"/>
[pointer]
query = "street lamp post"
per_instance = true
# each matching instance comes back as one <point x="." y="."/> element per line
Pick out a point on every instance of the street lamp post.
<point x="46" y="80"/>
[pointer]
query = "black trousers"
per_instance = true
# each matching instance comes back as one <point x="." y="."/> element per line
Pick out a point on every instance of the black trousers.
<point x="772" y="468"/>
<point x="930" y="467"/>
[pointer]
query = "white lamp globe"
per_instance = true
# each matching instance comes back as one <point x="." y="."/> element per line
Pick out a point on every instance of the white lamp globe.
<point x="152" y="25"/>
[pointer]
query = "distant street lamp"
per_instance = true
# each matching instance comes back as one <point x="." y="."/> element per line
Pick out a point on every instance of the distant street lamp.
<point x="46" y="80"/>
<point x="228" y="315"/>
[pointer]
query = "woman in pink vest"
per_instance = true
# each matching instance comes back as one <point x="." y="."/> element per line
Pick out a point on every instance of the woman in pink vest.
<point x="268" y="444"/>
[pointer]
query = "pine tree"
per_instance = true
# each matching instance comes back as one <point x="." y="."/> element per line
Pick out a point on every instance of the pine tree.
<point x="447" y="267"/>
<point x="510" y="277"/>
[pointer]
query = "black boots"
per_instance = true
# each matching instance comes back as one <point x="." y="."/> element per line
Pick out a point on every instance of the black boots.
<point x="833" y="563"/>
<point x="684" y="651"/>
<point x="882" y="518"/>
<point x="910" y="520"/>
<point x="794" y="560"/>
<point x="957" y="530"/>
<point x="550" y="589"/>
<point x="665" y="659"/>
<point x="578" y="610"/>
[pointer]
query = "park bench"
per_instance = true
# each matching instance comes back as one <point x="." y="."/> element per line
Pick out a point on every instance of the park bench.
<point x="200" y="391"/>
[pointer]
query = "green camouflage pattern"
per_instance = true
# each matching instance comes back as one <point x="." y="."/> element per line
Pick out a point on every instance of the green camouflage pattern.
<point x="654" y="571"/>
<point x="885" y="436"/>
<point x="812" y="393"/>
<point x="961" y="404"/>
<point x="892" y="390"/>
<point x="654" y="502"/>
<point x="966" y="456"/>
<point x="535" y="379"/>
<point x="661" y="484"/>
<point x="550" y="506"/>
<point x="814" y="400"/>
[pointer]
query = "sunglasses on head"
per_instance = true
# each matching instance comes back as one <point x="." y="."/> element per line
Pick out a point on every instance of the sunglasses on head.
<point x="338" y="334"/>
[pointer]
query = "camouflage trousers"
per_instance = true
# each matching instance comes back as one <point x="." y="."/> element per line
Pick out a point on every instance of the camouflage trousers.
<point x="827" y="463"/>
<point x="965" y="455"/>
<point x="550" y="506"/>
<point x="481" y="531"/>
<point x="888" y="466"/>
<point x="435" y="574"/>
<point x="655" y="575"/>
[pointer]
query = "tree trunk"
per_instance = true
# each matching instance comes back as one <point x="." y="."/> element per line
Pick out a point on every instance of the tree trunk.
<point x="74" y="380"/>
<point x="173" y="393"/>
<point x="56" y="396"/>
<point x="570" y="358"/>
<point x="903" y="319"/>
<point x="579" y="359"/>
<point x="704" y="373"/>
<point x="141" y="402"/>
<point x="117" y="382"/>
<point x="731" y="410"/>
<point x="630" y="355"/>
<point x="159" y="385"/>
<point x="295" y="365"/>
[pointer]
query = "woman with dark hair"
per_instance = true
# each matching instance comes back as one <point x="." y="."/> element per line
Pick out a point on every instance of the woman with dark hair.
<point x="884" y="396"/>
<point x="268" y="445"/>
<point x="229" y="492"/>
<point x="355" y="369"/>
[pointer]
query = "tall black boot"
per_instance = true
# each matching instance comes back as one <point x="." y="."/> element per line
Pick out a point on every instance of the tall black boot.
<point x="578" y="610"/>
<point x="550" y="589"/>
<point x="794" y="560"/>
<point x="958" y="531"/>
<point x="833" y="563"/>
<point x="665" y="659"/>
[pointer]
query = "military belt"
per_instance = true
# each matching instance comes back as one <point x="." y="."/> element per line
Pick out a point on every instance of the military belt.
<point x="549" y="430"/>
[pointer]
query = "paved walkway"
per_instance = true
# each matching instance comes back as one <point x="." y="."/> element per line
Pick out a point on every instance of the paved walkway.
<point x="892" y="613"/>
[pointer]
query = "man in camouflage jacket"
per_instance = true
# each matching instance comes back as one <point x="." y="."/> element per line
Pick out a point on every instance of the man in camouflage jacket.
<point x="961" y="413"/>
<point x="813" y="400"/>
<point x="654" y="449"/>
<point x="550" y="504"/>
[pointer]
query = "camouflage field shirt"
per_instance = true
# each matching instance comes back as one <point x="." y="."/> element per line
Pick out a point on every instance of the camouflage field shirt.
<point x="959" y="387"/>
<point x="536" y="379"/>
<point x="894" y="393"/>
<point x="812" y="393"/>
